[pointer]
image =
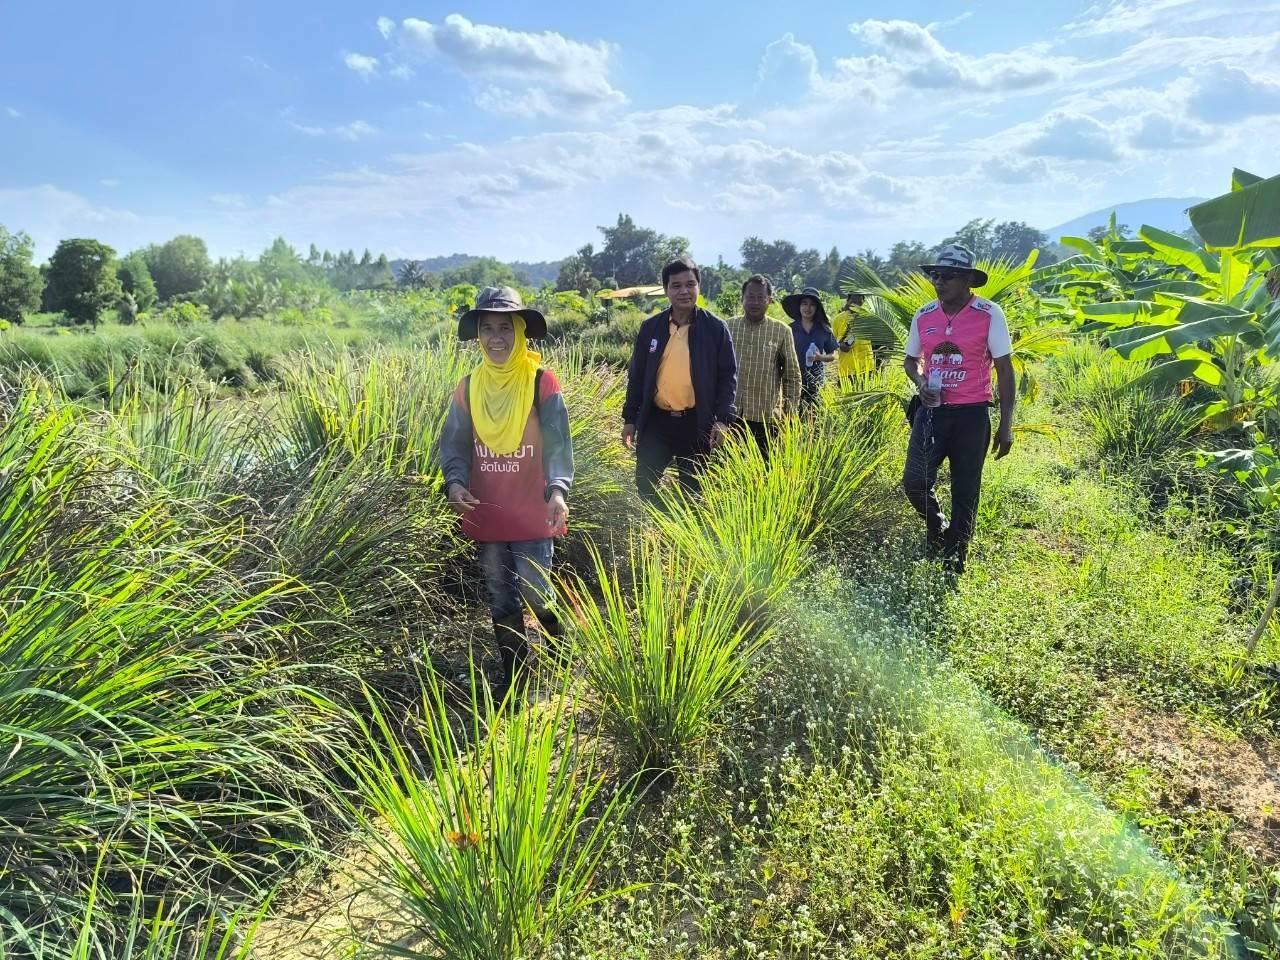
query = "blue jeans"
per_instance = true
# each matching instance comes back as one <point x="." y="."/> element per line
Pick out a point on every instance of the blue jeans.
<point x="518" y="573"/>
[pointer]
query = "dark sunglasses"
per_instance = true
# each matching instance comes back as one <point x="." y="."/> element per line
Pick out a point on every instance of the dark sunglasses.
<point x="945" y="274"/>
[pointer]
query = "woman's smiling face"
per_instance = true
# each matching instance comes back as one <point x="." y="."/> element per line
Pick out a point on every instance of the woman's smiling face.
<point x="497" y="336"/>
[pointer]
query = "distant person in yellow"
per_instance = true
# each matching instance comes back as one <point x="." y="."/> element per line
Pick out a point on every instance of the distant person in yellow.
<point x="855" y="357"/>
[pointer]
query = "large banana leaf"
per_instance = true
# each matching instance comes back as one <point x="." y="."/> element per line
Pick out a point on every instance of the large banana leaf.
<point x="1131" y="248"/>
<point x="1236" y="277"/>
<point x="1145" y="342"/>
<point x="1124" y="313"/>
<point x="1180" y="251"/>
<point x="1163" y="377"/>
<point x="1147" y="289"/>
<point x="1269" y="322"/>
<point x="1085" y="246"/>
<point x="1246" y="217"/>
<point x="1243" y="178"/>
<point x="1195" y="309"/>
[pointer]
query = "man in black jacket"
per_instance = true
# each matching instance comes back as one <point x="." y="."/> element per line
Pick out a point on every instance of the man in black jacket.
<point x="681" y="384"/>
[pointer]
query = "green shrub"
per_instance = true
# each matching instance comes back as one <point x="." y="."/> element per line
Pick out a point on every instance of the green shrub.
<point x="184" y="313"/>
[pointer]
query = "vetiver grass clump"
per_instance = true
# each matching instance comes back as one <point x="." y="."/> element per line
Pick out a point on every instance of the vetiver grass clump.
<point x="489" y="844"/>
<point x="666" y="661"/>
<point x="129" y="723"/>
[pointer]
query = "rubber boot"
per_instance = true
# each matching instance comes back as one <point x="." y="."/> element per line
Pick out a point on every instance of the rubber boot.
<point x="513" y="649"/>
<point x="553" y="637"/>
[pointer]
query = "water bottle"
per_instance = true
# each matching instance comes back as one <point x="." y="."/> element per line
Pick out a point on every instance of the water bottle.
<point x="934" y="383"/>
<point x="811" y="353"/>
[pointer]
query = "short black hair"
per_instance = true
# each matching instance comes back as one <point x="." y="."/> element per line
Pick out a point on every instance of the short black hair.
<point x="758" y="278"/>
<point x="681" y="264"/>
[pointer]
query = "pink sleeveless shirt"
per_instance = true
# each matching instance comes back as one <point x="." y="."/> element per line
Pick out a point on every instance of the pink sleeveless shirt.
<point x="960" y="347"/>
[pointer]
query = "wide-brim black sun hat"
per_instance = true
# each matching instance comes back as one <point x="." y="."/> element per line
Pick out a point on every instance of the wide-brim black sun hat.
<point x="791" y="305"/>
<point x="958" y="257"/>
<point x="501" y="300"/>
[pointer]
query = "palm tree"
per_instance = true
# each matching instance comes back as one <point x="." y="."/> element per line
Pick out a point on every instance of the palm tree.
<point x="411" y="275"/>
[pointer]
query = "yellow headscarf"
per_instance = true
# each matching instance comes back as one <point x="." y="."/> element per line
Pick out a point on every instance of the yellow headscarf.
<point x="501" y="395"/>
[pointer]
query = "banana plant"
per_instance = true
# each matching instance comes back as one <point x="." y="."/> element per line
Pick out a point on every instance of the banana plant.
<point x="1186" y="312"/>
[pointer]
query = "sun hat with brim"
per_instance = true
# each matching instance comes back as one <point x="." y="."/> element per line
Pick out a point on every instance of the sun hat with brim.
<point x="791" y="305"/>
<point x="501" y="300"/>
<point x="956" y="257"/>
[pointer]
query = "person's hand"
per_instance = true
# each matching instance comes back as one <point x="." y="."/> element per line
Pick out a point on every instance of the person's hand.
<point x="460" y="498"/>
<point x="557" y="510"/>
<point x="719" y="432"/>
<point x="930" y="398"/>
<point x="1003" y="441"/>
<point x="629" y="436"/>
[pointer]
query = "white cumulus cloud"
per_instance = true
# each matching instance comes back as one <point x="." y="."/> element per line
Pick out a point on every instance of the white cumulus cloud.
<point x="921" y="61"/>
<point x="386" y="27"/>
<point x="1003" y="168"/>
<point x="1224" y="94"/>
<point x="1158" y="130"/>
<point x="547" y="72"/>
<point x="788" y="70"/>
<point x="1073" y="136"/>
<point x="361" y="64"/>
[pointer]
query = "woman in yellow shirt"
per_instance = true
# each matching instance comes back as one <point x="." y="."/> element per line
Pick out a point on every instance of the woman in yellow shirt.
<point x="855" y="357"/>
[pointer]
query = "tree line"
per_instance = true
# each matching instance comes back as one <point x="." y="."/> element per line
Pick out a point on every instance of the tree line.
<point x="631" y="255"/>
<point x="84" y="278"/>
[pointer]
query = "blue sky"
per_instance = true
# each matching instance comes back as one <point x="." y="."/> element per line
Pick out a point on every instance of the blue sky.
<point x="419" y="128"/>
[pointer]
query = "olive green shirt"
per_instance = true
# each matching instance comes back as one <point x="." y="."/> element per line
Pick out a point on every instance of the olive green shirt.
<point x="768" y="370"/>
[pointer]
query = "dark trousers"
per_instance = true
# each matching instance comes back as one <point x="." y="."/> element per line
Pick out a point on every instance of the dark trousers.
<point x="960" y="435"/>
<point x="759" y="432"/>
<point x="668" y="438"/>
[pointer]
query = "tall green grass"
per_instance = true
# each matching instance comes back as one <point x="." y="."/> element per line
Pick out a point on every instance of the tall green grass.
<point x="666" y="662"/>
<point x="163" y="931"/>
<point x="489" y="840"/>
<point x="385" y="408"/>
<point x="158" y="355"/>
<point x="127" y="717"/>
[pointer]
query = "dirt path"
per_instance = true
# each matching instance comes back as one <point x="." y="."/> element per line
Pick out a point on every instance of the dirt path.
<point x="1204" y="769"/>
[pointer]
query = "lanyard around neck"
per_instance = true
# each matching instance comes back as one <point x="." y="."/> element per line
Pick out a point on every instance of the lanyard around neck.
<point x="951" y="319"/>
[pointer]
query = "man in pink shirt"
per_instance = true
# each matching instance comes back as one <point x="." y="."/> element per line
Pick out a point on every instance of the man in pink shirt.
<point x="954" y="344"/>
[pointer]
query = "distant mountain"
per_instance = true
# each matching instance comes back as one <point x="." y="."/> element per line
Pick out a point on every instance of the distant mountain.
<point x="1167" y="213"/>
<point x="547" y="271"/>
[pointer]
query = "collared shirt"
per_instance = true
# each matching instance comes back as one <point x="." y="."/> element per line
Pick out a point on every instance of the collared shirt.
<point x="767" y="368"/>
<point x="675" y="375"/>
<point x="961" y="349"/>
